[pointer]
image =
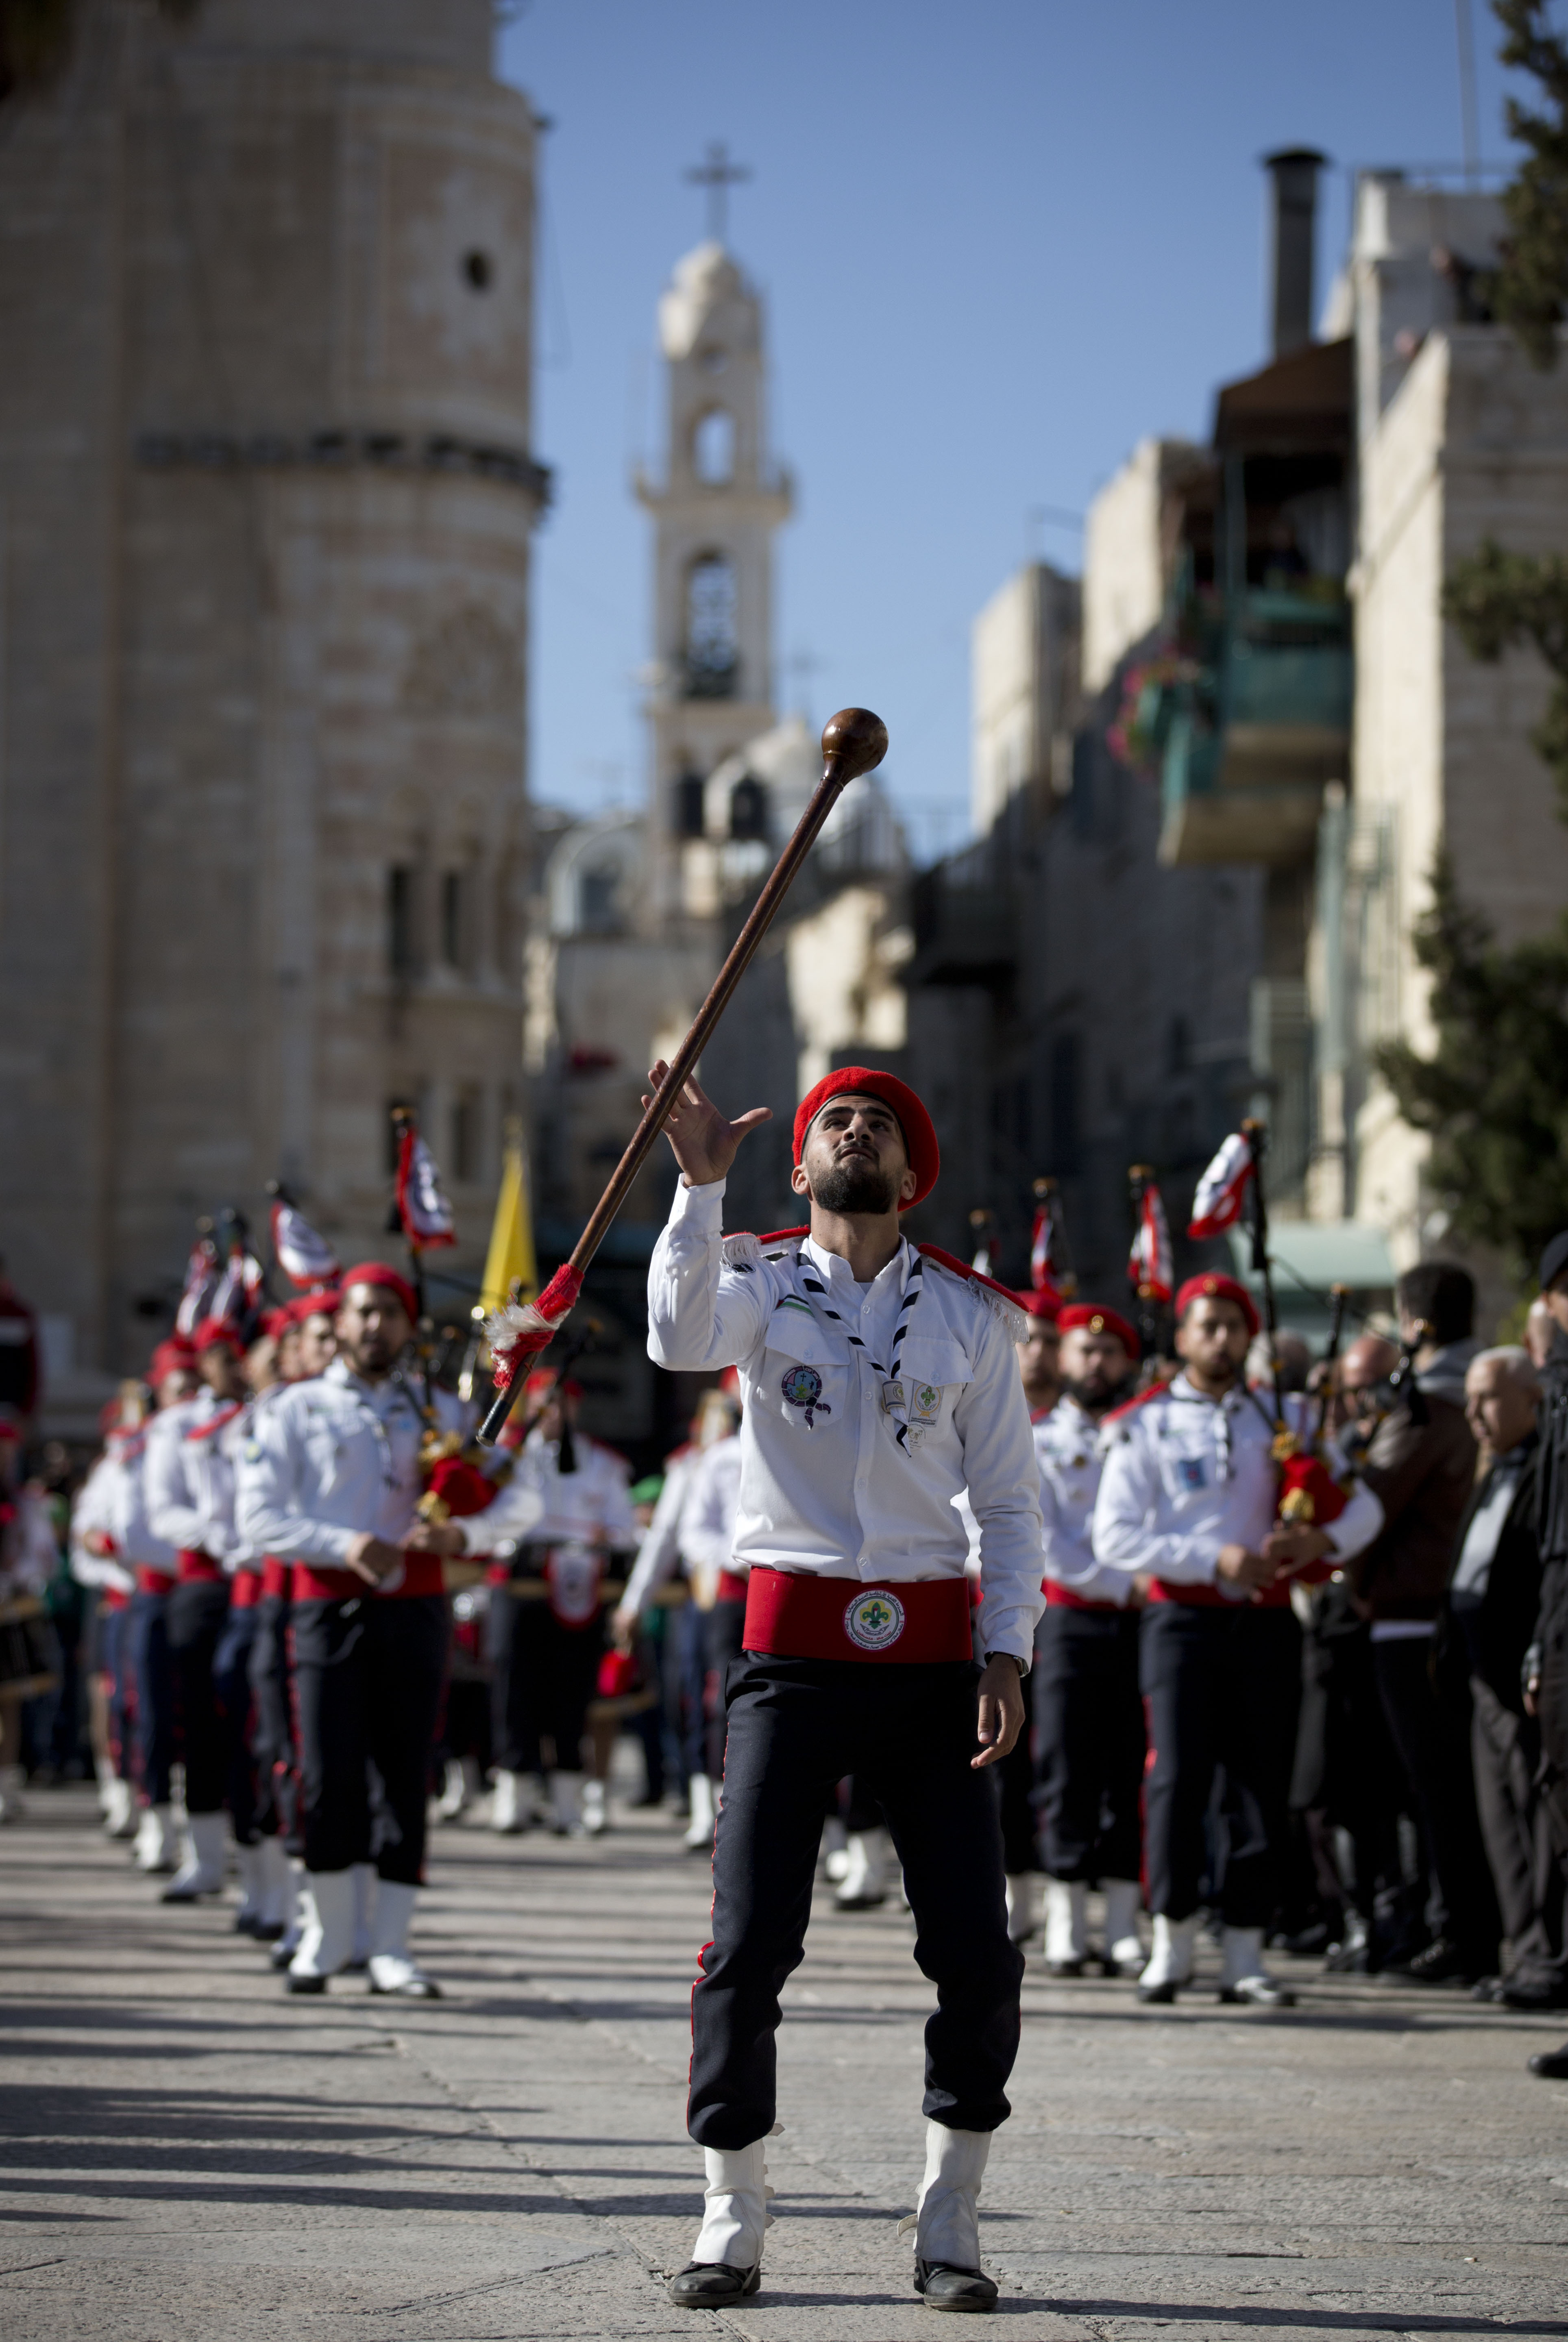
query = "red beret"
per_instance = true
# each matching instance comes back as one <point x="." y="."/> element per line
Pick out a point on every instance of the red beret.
<point x="543" y="1380"/>
<point x="376" y="1272"/>
<point x="321" y="1301"/>
<point x="1037" y="1304"/>
<point x="1093" y="1319"/>
<point x="1208" y="1286"/>
<point x="174" y="1356"/>
<point x="864" y="1081"/>
<point x="218" y="1334"/>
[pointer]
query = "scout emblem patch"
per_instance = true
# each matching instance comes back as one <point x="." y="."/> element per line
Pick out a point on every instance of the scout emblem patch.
<point x="874" y="1620"/>
<point x="927" y="1403"/>
<point x="802" y="1386"/>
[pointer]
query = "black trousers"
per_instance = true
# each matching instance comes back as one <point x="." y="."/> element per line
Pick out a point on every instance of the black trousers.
<point x="272" y="1728"/>
<point x="545" y="1676"/>
<point x="907" y="1734"/>
<point x="1222" y="1687"/>
<point x="197" y="1613"/>
<point x="231" y="1682"/>
<point x="1433" y="1745"/>
<point x="1090" y="1736"/>
<point x="111" y="1662"/>
<point x="1345" y="1771"/>
<point x="368" y="1682"/>
<point x="722" y="1628"/>
<point x="152" y="1672"/>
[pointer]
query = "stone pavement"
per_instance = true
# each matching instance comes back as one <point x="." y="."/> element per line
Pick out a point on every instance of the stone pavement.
<point x="188" y="2157"/>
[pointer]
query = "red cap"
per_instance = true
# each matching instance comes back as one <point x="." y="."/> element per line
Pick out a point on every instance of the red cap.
<point x="1036" y="1304"/>
<point x="376" y="1272"/>
<point x="543" y="1380"/>
<point x="1208" y="1286"/>
<point x="218" y="1334"/>
<point x="864" y="1081"/>
<point x="276" y="1322"/>
<point x="174" y="1356"/>
<point x="1093" y="1319"/>
<point x="321" y="1301"/>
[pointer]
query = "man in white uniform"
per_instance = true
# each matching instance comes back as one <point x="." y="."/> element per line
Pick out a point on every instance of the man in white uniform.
<point x="879" y="1384"/>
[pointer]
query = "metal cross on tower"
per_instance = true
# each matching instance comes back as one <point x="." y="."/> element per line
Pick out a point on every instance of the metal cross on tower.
<point x="718" y="174"/>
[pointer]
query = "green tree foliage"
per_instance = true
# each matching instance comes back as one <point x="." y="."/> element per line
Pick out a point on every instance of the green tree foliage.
<point x="1494" y="1096"/>
<point x="1499" y="600"/>
<point x="1529" y="293"/>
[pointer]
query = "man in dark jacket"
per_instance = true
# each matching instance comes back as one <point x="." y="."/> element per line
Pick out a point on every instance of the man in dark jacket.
<point x="1546" y="1663"/>
<point x="1422" y="1465"/>
<point x="1493" y="1598"/>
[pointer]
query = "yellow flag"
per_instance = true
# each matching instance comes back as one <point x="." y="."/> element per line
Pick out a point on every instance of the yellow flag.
<point x="511" y="1253"/>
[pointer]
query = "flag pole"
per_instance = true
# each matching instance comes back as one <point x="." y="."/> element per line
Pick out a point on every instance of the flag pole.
<point x="1138" y="1175"/>
<point x="1256" y="1135"/>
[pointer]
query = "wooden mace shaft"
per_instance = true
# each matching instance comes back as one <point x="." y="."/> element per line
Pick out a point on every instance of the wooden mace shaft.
<point x="853" y="742"/>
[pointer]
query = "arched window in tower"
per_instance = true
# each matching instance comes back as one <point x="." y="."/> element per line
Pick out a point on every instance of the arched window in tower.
<point x="713" y="448"/>
<point x="712" y="658"/>
<point x="749" y="810"/>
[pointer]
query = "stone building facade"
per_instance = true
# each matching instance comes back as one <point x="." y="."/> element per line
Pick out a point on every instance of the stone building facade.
<point x="267" y="490"/>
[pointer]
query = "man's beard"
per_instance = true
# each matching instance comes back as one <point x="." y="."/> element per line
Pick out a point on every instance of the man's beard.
<point x="1096" y="1394"/>
<point x="859" y="1185"/>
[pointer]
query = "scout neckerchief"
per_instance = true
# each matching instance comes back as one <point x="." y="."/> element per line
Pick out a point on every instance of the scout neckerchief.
<point x="888" y="1376"/>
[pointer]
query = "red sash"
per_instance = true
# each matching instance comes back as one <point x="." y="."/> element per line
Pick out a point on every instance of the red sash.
<point x="1063" y="1597"/>
<point x="153" y="1581"/>
<point x="246" y="1590"/>
<point x="791" y="1614"/>
<point x="731" y="1586"/>
<point x="199" y="1569"/>
<point x="275" y="1576"/>
<point x="422" y="1575"/>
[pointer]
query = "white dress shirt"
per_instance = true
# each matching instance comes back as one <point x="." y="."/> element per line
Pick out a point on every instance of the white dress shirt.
<point x="549" y="1507"/>
<point x="95" y="1507"/>
<point x="1067" y="1447"/>
<point x="658" y="1556"/>
<point x="326" y="1461"/>
<point x="825" y="1487"/>
<point x="712" y="1509"/>
<point x="1185" y="1474"/>
<point x="190" y="1471"/>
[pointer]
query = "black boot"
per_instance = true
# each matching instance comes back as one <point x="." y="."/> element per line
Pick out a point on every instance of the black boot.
<point x="945" y="2287"/>
<point x="713" y="2285"/>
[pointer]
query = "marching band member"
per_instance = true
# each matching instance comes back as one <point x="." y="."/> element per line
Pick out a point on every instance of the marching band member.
<point x="550" y="1531"/>
<point x="190" y="1505"/>
<point x="172" y="1374"/>
<point x="329" y="1482"/>
<point x="877" y="1384"/>
<point x="1088" y="1707"/>
<point x="95" y="1565"/>
<point x="1188" y="1499"/>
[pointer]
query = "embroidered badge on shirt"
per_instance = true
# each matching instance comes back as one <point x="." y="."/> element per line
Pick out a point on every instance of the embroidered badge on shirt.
<point x="927" y="1403"/>
<point x="874" y="1620"/>
<point x="1191" y="1470"/>
<point x="802" y="1388"/>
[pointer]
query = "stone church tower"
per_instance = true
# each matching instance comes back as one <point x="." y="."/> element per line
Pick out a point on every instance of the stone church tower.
<point x="266" y="491"/>
<point x="715" y="513"/>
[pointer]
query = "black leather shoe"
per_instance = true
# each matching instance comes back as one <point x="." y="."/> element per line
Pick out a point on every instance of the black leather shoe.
<point x="713" y="2285"/>
<point x="280" y="1953"/>
<point x="942" y="2287"/>
<point x="1066" y="1967"/>
<point x="1551" y="2065"/>
<point x="266" y="1931"/>
<point x="1441" y="1963"/>
<point x="1258" y="1992"/>
<point x="1531" y="1992"/>
<point x="1160" y="1995"/>
<point x="291" y="1982"/>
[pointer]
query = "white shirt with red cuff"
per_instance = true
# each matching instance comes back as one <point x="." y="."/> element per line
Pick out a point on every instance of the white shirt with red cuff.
<point x="825" y="1487"/>
<point x="1185" y="1475"/>
<point x="545" y="1505"/>
<point x="189" y="1473"/>
<point x="659" y="1555"/>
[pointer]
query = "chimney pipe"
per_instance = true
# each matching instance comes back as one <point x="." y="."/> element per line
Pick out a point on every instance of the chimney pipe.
<point x="1295" y="171"/>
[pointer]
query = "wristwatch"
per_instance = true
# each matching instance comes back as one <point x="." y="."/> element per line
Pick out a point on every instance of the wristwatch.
<point x="1022" y="1664"/>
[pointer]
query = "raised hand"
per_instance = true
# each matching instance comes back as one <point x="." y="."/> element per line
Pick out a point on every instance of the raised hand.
<point x="705" y="1145"/>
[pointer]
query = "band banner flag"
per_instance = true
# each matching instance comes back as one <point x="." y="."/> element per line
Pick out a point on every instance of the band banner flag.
<point x="1222" y="1189"/>
<point x="422" y="1205"/>
<point x="1151" y="1268"/>
<point x="511" y="1260"/>
<point x="304" y="1256"/>
<point x="237" y="1295"/>
<point x="200" y="1284"/>
<point x="1042" y="1249"/>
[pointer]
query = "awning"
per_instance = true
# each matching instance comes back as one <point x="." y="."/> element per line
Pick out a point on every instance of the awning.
<point x="1308" y="1256"/>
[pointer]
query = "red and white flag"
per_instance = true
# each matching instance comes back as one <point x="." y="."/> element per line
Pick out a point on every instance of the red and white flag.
<point x="237" y="1295"/>
<point x="1217" y="1205"/>
<point x="422" y="1204"/>
<point x="201" y="1284"/>
<point x="1042" y="1249"/>
<point x="304" y="1257"/>
<point x="1149" y="1268"/>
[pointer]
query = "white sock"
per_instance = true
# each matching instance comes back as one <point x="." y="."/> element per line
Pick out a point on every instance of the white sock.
<point x="737" y="2215"/>
<point x="1123" y="1897"/>
<point x="363" y="1874"/>
<point x="947" y="2218"/>
<point x="1242" y="1954"/>
<point x="1066" y="1925"/>
<point x="1171" y="1961"/>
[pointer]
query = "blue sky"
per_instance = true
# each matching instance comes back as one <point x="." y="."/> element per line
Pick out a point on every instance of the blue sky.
<point x="1000" y="243"/>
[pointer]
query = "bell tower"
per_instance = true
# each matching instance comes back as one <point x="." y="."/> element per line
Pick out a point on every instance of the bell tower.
<point x="714" y="511"/>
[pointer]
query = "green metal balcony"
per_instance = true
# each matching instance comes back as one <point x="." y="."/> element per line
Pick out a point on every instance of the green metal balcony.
<point x="1255" y="728"/>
